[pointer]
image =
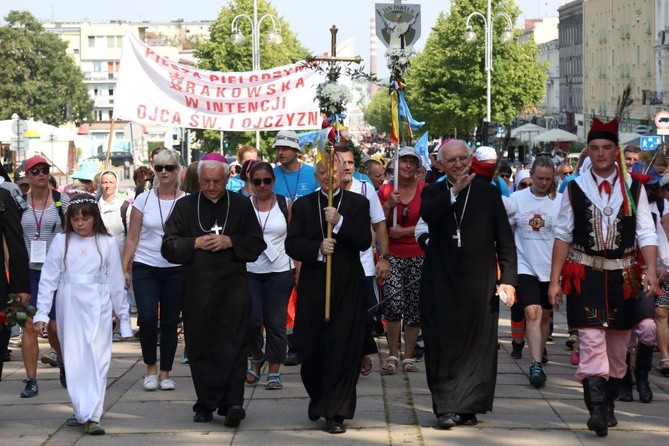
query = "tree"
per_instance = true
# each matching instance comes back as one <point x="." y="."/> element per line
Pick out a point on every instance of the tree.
<point x="448" y="82"/>
<point x="37" y="77"/>
<point x="219" y="54"/>
<point x="377" y="113"/>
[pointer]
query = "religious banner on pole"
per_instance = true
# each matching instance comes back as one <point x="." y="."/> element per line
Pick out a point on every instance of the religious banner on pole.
<point x="153" y="90"/>
<point x="397" y="25"/>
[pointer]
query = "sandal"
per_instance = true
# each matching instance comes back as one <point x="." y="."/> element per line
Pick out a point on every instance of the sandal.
<point x="72" y="421"/>
<point x="274" y="381"/>
<point x="255" y="376"/>
<point x="94" y="428"/>
<point x="366" y="366"/>
<point x="664" y="367"/>
<point x="409" y="365"/>
<point x="390" y="365"/>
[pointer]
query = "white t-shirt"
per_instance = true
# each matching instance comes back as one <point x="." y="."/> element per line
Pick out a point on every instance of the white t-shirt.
<point x="111" y="217"/>
<point x="376" y="214"/>
<point x="153" y="221"/>
<point x="533" y="219"/>
<point x="274" y="229"/>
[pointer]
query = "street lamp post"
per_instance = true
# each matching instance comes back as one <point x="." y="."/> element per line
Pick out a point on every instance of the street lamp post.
<point x="273" y="37"/>
<point x="470" y="37"/>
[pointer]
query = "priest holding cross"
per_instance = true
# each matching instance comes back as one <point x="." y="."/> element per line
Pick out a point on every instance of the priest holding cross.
<point x="213" y="233"/>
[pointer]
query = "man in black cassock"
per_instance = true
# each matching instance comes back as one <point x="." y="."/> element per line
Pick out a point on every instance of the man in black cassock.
<point x="469" y="235"/>
<point x="332" y="351"/>
<point x="214" y="233"/>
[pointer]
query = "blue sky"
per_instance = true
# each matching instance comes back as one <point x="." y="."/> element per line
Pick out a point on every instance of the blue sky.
<point x="310" y="19"/>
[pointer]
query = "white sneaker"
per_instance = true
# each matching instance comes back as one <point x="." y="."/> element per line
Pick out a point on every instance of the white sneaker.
<point x="167" y="384"/>
<point x="150" y="382"/>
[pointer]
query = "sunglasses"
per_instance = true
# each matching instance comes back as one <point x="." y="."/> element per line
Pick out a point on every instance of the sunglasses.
<point x="37" y="170"/>
<point x="523" y="185"/>
<point x="258" y="181"/>
<point x="167" y="167"/>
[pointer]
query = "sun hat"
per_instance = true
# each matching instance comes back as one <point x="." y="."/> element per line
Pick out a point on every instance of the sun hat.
<point x="287" y="138"/>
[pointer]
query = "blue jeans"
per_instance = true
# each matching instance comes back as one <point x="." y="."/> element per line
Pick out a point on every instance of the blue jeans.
<point x="270" y="293"/>
<point x="158" y="288"/>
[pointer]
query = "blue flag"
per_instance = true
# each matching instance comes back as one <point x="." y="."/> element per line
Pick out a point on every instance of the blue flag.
<point x="421" y="148"/>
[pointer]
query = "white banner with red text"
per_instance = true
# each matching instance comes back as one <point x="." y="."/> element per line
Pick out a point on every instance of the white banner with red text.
<point x="153" y="90"/>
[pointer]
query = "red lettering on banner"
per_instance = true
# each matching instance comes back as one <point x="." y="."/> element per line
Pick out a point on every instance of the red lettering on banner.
<point x="220" y="92"/>
<point x="191" y="102"/>
<point x="254" y="91"/>
<point x="216" y="107"/>
<point x="236" y="92"/>
<point x="205" y="91"/>
<point x="299" y="83"/>
<point x="271" y="89"/>
<point x="190" y="87"/>
<point x="285" y="86"/>
<point x="208" y="122"/>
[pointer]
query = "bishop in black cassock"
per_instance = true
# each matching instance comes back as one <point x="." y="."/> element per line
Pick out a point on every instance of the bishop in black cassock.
<point x="214" y="233"/>
<point x="332" y="351"/>
<point x="469" y="235"/>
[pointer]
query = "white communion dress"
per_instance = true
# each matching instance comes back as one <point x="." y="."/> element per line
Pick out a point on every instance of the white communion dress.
<point x="89" y="282"/>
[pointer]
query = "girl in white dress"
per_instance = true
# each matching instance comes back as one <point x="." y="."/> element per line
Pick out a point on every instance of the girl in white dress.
<point x="84" y="267"/>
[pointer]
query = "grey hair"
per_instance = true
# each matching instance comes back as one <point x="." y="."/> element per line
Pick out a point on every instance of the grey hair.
<point x="448" y="142"/>
<point x="212" y="163"/>
<point x="167" y="156"/>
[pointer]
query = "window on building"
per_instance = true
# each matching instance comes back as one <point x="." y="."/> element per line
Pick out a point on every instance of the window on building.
<point x="111" y="92"/>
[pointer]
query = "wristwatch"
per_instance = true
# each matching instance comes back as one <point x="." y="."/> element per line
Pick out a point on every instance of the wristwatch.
<point x="385" y="256"/>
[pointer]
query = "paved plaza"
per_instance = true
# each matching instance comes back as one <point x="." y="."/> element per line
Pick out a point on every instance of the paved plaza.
<point x="392" y="410"/>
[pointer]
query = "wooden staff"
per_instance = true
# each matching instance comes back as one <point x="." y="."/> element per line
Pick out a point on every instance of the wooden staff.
<point x="109" y="143"/>
<point x="328" y="257"/>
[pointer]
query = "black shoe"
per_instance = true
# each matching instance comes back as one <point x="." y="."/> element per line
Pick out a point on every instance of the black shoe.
<point x="466" y="419"/>
<point x="203" y="417"/>
<point x="446" y="421"/>
<point x="335" y="427"/>
<point x="292" y="358"/>
<point x="31" y="390"/>
<point x="544" y="357"/>
<point x="572" y="339"/>
<point x="6" y="356"/>
<point x="234" y="415"/>
<point x="418" y="352"/>
<point x="61" y="375"/>
<point x="517" y="352"/>
<point x="310" y="412"/>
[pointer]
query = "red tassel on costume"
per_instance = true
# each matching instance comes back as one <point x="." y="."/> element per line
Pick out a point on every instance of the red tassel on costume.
<point x="572" y="275"/>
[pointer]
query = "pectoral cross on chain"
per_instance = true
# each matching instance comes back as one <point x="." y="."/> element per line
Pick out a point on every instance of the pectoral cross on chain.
<point x="216" y="229"/>
<point x="457" y="236"/>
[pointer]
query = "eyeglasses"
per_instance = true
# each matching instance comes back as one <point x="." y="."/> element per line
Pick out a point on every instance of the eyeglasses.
<point x="167" y="167"/>
<point x="564" y="174"/>
<point x="37" y="170"/>
<point x="454" y="159"/>
<point x="523" y="185"/>
<point x="258" y="181"/>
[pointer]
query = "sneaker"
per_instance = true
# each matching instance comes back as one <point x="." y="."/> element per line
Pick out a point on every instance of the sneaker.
<point x="150" y="382"/>
<point x="167" y="384"/>
<point x="184" y="359"/>
<point x="61" y="375"/>
<point x="573" y="339"/>
<point x="31" y="390"/>
<point x="537" y="375"/>
<point x="50" y="358"/>
<point x="292" y="358"/>
<point x="116" y="337"/>
<point x="517" y="352"/>
<point x="664" y="367"/>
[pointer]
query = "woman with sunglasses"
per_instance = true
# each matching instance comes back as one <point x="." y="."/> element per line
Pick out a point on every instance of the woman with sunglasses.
<point x="41" y="221"/>
<point x="270" y="278"/>
<point x="156" y="282"/>
<point x="406" y="261"/>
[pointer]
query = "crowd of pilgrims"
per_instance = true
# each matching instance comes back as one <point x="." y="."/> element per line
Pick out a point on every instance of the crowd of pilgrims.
<point x="236" y="258"/>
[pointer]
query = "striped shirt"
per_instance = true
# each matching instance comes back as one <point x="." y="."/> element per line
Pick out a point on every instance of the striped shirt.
<point x="50" y="224"/>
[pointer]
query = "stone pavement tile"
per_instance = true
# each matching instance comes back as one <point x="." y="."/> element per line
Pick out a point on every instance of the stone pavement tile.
<point x="183" y="392"/>
<point x="130" y="417"/>
<point x="292" y="388"/>
<point x="315" y="435"/>
<point x="213" y="437"/>
<point x="481" y="436"/>
<point x="622" y="438"/>
<point x="516" y="391"/>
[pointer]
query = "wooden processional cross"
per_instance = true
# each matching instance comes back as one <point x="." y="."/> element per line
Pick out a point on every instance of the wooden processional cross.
<point x="332" y="77"/>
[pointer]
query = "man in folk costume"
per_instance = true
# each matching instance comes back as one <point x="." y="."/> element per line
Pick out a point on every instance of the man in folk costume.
<point x="332" y="350"/>
<point x="469" y="236"/>
<point x="213" y="233"/>
<point x="602" y="226"/>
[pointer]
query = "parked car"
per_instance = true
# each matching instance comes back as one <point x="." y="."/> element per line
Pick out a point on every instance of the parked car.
<point x="119" y="158"/>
